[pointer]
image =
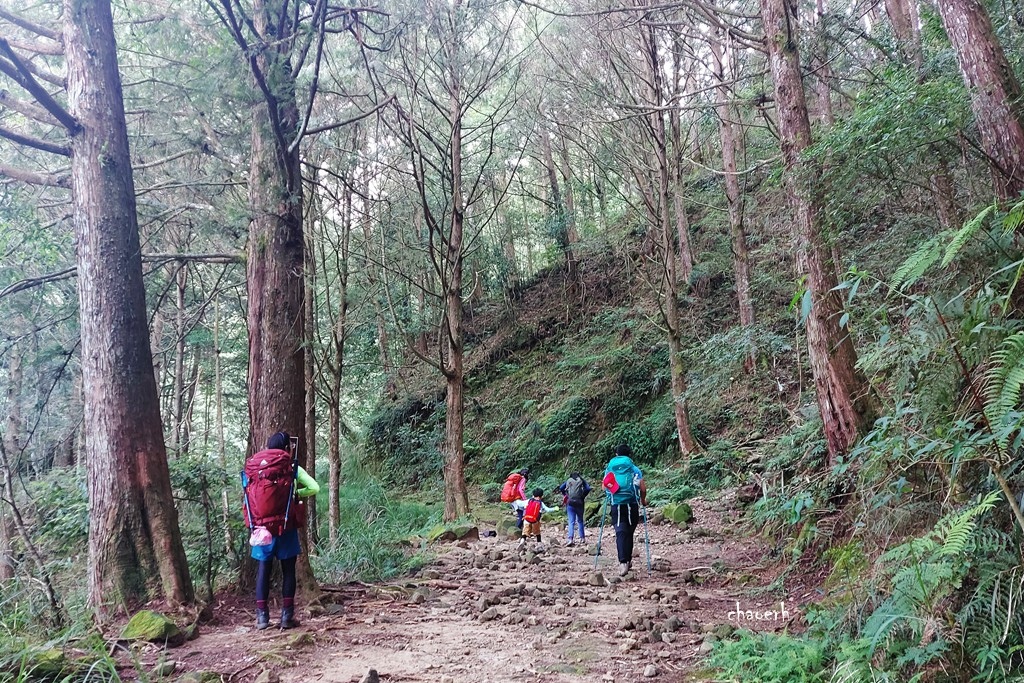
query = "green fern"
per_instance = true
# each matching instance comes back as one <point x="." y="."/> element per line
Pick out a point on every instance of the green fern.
<point x="956" y="531"/>
<point x="917" y="263"/>
<point x="1014" y="219"/>
<point x="965" y="234"/>
<point x="1004" y="379"/>
<point x="928" y="569"/>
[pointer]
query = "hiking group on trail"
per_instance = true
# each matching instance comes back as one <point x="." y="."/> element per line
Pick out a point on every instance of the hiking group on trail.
<point x="625" y="501"/>
<point x="274" y="484"/>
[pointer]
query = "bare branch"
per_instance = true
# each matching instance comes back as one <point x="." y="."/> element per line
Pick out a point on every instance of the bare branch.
<point x="69" y="273"/>
<point x="35" y="143"/>
<point x="354" y="119"/>
<point x="32" y="27"/>
<point x="26" y="108"/>
<point x="26" y="80"/>
<point x="37" y="47"/>
<point x="47" y="179"/>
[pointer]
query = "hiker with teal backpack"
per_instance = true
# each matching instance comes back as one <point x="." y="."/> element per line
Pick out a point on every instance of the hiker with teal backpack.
<point x="574" y="491"/>
<point x="624" y="485"/>
<point x="272" y="484"/>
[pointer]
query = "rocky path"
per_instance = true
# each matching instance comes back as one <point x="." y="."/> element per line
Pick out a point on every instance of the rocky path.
<point x="483" y="612"/>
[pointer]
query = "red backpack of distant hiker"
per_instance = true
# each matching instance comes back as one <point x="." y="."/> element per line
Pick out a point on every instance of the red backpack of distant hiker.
<point x="532" y="512"/>
<point x="510" y="491"/>
<point x="268" y="485"/>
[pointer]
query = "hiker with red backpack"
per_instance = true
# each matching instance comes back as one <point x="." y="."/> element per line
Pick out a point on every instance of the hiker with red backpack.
<point x="514" y="490"/>
<point x="532" y="510"/>
<point x="624" y="485"/>
<point x="272" y="484"/>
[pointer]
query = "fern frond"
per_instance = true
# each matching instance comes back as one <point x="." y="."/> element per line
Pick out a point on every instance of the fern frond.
<point x="956" y="531"/>
<point x="1004" y="379"/>
<point x="965" y="234"/>
<point x="917" y="263"/>
<point x="1014" y="219"/>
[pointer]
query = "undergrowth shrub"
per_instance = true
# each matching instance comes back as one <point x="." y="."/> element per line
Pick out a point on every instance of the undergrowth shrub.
<point x="403" y="441"/>
<point x="673" y="486"/>
<point x="767" y="657"/>
<point x="375" y="526"/>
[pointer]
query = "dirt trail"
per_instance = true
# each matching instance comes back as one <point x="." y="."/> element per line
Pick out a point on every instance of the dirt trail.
<point x="483" y="613"/>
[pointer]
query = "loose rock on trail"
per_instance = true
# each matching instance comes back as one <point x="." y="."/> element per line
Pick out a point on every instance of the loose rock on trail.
<point x="482" y="611"/>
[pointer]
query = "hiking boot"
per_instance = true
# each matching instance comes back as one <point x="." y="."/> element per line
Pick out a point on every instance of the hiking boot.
<point x="570" y="543"/>
<point x="288" y="619"/>
<point x="262" y="619"/>
<point x="623" y="568"/>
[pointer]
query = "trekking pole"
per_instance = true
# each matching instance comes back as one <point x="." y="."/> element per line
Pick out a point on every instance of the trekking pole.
<point x="600" y="531"/>
<point x="647" y="541"/>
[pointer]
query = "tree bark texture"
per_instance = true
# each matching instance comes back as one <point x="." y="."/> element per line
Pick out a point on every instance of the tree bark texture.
<point x="843" y="393"/>
<point x="994" y="88"/>
<point x="135" y="548"/>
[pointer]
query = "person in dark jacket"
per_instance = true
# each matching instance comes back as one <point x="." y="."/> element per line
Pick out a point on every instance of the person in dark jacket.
<point x="575" y="490"/>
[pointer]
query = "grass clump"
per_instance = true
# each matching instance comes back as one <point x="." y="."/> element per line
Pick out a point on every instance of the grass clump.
<point x="376" y="528"/>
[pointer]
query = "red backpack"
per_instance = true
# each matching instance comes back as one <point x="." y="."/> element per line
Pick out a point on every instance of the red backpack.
<point x="268" y="484"/>
<point x="510" y="491"/>
<point x="532" y="512"/>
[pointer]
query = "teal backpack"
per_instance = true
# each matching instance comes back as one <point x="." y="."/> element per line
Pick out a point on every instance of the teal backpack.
<point x="623" y="469"/>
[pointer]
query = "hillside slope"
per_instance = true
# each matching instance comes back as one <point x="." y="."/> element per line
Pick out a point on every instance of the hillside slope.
<point x="566" y="370"/>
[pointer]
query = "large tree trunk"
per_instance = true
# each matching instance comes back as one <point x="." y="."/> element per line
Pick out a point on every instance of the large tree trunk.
<point x="135" y="548"/>
<point x="228" y="507"/>
<point x="995" y="91"/>
<point x="843" y="393"/>
<point x="275" y="260"/>
<point x="178" y="390"/>
<point x="669" y="281"/>
<point x="682" y="143"/>
<point x="558" y="213"/>
<point x="456" y="496"/>
<point x="339" y="336"/>
<point x="903" y="16"/>
<point x="12" y="446"/>
<point x="309" y="381"/>
<point x="731" y="133"/>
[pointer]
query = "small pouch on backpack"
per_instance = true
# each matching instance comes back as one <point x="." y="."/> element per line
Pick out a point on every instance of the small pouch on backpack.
<point x="260" y="536"/>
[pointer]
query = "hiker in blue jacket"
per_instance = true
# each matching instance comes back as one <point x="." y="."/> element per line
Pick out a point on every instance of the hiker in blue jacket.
<point x="624" y="482"/>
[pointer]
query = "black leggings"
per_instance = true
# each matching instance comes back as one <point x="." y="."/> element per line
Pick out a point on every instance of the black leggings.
<point x="625" y="518"/>
<point x="263" y="570"/>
